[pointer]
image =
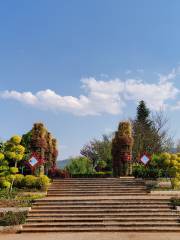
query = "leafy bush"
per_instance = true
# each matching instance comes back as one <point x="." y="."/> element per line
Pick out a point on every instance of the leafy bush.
<point x="16" y="139"/>
<point x="93" y="175"/>
<point x="12" y="218"/>
<point x="18" y="180"/>
<point x="80" y="165"/>
<point x="5" y="184"/>
<point x="30" y="181"/>
<point x="175" y="202"/>
<point x="1" y="156"/>
<point x="162" y="165"/>
<point x="14" y="170"/>
<point x="43" y="182"/>
<point x="141" y="171"/>
<point x="28" y="200"/>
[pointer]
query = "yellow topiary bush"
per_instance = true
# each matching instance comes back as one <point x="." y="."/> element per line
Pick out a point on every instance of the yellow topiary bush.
<point x="30" y="181"/>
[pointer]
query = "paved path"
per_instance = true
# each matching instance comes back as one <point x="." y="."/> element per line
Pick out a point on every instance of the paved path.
<point x="90" y="236"/>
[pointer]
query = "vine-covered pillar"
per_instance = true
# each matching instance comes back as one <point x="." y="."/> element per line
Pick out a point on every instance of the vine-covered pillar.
<point x="122" y="150"/>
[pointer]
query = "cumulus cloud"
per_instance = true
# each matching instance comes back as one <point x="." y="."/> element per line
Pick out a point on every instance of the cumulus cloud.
<point x="170" y="76"/>
<point x="102" y="96"/>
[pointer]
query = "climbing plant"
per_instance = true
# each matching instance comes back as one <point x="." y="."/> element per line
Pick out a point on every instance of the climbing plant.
<point x="121" y="150"/>
<point x="41" y="144"/>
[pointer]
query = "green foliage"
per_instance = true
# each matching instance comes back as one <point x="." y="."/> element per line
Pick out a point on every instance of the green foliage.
<point x="162" y="165"/>
<point x="101" y="164"/>
<point x="99" y="150"/>
<point x="141" y="171"/>
<point x="18" y="180"/>
<point x="30" y="181"/>
<point x="28" y="200"/>
<point x="80" y="165"/>
<point x="13" y="218"/>
<point x="43" y="182"/>
<point x="13" y="150"/>
<point x="15" y="139"/>
<point x="5" y="184"/>
<point x="1" y="157"/>
<point x="14" y="170"/>
<point x="175" y="202"/>
<point x="149" y="132"/>
<point x="5" y="194"/>
<point x="41" y="142"/>
<point x="93" y="175"/>
<point x="122" y="150"/>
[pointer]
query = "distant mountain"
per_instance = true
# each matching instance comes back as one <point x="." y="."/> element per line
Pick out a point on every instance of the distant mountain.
<point x="63" y="163"/>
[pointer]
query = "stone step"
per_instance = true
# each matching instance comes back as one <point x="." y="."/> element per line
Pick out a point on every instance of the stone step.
<point x="144" y="206"/>
<point x="104" y="229"/>
<point x="87" y="205"/>
<point x="86" y="194"/>
<point x="90" y="205"/>
<point x="104" y="223"/>
<point x="98" y="184"/>
<point x="105" y="215"/>
<point x="95" y="192"/>
<point x="91" y="219"/>
<point x="87" y="211"/>
<point x="103" y="200"/>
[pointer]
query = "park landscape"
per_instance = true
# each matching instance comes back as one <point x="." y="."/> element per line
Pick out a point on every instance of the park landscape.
<point x="127" y="181"/>
<point x="89" y="120"/>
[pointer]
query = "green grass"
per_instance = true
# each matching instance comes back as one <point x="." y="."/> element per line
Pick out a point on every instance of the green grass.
<point x="175" y="202"/>
<point x="19" y="198"/>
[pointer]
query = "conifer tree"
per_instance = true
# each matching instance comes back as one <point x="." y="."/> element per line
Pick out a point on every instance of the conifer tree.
<point x="145" y="134"/>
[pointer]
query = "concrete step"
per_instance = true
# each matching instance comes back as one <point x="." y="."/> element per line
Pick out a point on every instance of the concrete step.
<point x="90" y="205"/>
<point x="85" y="194"/>
<point x="144" y="206"/>
<point x="77" y="220"/>
<point x="110" y="200"/>
<point x="87" y="211"/>
<point x="105" y="215"/>
<point x="71" y="203"/>
<point x="102" y="224"/>
<point x="105" y="229"/>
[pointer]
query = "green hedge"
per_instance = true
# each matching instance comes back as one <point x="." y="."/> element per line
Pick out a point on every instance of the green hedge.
<point x="93" y="175"/>
<point x="28" y="181"/>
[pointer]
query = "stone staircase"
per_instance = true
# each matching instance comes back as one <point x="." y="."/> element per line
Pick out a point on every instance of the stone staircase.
<point x="99" y="205"/>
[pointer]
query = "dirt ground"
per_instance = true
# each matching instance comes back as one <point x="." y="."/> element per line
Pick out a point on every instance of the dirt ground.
<point x="91" y="236"/>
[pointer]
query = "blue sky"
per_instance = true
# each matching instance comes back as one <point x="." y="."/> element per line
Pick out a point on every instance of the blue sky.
<point x="81" y="66"/>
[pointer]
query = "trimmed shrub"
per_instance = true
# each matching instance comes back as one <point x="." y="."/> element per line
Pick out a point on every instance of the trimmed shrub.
<point x="93" y="175"/>
<point x="43" y="182"/>
<point x="18" y="180"/>
<point x="30" y="181"/>
<point x="14" y="170"/>
<point x="16" y="139"/>
<point x="5" y="184"/>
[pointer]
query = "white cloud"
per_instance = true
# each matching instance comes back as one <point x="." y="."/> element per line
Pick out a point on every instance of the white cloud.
<point x="170" y="76"/>
<point x="102" y="96"/>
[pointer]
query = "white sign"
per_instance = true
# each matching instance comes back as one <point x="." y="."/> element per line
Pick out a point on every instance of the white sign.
<point x="33" y="161"/>
<point x="145" y="159"/>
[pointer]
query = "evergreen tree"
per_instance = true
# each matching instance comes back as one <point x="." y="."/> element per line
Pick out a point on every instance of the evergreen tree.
<point x="143" y="113"/>
<point x="146" y="137"/>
